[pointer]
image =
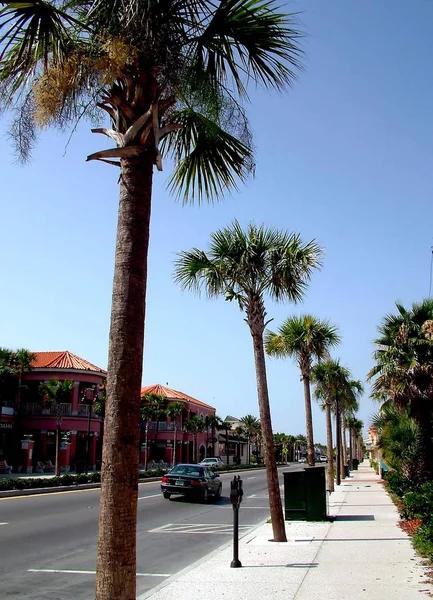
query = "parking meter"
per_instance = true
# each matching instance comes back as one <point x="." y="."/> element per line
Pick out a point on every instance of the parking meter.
<point x="236" y="491"/>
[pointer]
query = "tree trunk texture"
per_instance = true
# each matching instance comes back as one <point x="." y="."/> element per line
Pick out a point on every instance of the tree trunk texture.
<point x="116" y="561"/>
<point x="255" y="319"/>
<point x="338" y="441"/>
<point x="311" y="455"/>
<point x="329" y="449"/>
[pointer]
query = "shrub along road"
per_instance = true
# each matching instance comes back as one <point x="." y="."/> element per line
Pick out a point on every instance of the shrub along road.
<point x="48" y="542"/>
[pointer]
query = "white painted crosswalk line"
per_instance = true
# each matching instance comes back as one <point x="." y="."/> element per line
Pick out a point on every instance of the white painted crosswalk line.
<point x="74" y="572"/>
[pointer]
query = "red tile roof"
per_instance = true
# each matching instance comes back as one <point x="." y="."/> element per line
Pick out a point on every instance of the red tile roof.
<point x="63" y="360"/>
<point x="161" y="390"/>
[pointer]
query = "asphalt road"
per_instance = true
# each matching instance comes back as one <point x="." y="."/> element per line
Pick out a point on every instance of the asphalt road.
<point x="48" y="542"/>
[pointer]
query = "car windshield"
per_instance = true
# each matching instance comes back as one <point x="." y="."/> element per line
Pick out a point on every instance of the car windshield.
<point x="187" y="470"/>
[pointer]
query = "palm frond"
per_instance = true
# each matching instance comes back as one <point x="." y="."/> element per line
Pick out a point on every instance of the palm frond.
<point x="209" y="160"/>
<point x="32" y="33"/>
<point x="246" y="39"/>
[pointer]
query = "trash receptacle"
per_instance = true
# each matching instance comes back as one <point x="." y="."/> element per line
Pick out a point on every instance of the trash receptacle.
<point x="355" y="462"/>
<point x="305" y="494"/>
<point x="346" y="471"/>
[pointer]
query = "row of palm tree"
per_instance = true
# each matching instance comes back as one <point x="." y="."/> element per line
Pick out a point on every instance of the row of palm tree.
<point x="246" y="266"/>
<point x="403" y="382"/>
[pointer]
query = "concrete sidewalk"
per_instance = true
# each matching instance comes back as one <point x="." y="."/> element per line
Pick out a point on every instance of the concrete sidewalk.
<point x="362" y="554"/>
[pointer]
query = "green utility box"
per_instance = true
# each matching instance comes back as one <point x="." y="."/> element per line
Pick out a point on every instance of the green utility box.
<point x="305" y="496"/>
<point x="355" y="463"/>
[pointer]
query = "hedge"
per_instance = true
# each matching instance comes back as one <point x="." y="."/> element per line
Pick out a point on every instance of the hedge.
<point x="70" y="479"/>
<point x="26" y="483"/>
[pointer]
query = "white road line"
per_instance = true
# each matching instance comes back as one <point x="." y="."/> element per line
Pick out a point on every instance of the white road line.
<point x="73" y="572"/>
<point x="153" y="496"/>
<point x="250" y="477"/>
<point x="4" y="523"/>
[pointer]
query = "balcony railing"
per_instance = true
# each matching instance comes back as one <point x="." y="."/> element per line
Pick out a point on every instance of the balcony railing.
<point x="163" y="426"/>
<point x="83" y="411"/>
<point x="34" y="408"/>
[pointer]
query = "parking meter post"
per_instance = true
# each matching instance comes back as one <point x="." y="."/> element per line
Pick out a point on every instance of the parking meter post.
<point x="236" y="493"/>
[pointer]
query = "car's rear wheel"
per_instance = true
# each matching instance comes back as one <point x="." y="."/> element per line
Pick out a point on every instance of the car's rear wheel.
<point x="205" y="495"/>
<point x="166" y="495"/>
<point x="218" y="494"/>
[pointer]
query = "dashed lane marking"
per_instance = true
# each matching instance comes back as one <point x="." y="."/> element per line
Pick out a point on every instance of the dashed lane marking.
<point x="4" y="523"/>
<point x="196" y="528"/>
<point x="152" y="496"/>
<point x="73" y="572"/>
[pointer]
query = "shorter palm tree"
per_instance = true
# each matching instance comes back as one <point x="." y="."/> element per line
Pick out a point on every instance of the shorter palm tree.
<point x="57" y="392"/>
<point x="211" y="423"/>
<point x="147" y="413"/>
<point x="303" y="338"/>
<point x="174" y="410"/>
<point x="194" y="425"/>
<point x="249" y="424"/>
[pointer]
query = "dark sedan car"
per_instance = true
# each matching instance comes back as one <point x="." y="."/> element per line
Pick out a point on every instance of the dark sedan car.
<point x="191" y="480"/>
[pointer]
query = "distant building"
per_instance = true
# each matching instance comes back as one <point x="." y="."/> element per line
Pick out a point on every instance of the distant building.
<point x="159" y="435"/>
<point x="36" y="421"/>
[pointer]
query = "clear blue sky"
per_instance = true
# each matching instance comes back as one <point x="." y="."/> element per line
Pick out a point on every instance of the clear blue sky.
<point x="345" y="157"/>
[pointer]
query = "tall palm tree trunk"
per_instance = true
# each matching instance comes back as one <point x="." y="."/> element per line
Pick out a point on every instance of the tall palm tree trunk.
<point x="116" y="561"/>
<point x="275" y="505"/>
<point x="343" y="446"/>
<point x="311" y="456"/>
<point x="329" y="449"/>
<point x="338" y="440"/>
<point x="350" y="449"/>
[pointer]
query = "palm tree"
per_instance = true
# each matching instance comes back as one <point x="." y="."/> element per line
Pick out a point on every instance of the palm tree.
<point x="249" y="424"/>
<point x="158" y="404"/>
<point x="349" y="405"/>
<point x="239" y="433"/>
<point x="211" y="422"/>
<point x="57" y="392"/>
<point x="398" y="439"/>
<point x="245" y="266"/>
<point x="404" y="370"/>
<point x="174" y="410"/>
<point x="303" y="338"/>
<point x="22" y="361"/>
<point x="225" y="426"/>
<point x="194" y="425"/>
<point x="172" y="79"/>
<point x="147" y="413"/>
<point x="328" y="377"/>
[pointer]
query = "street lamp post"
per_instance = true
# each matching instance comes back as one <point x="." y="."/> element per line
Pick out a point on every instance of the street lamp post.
<point x="90" y="394"/>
